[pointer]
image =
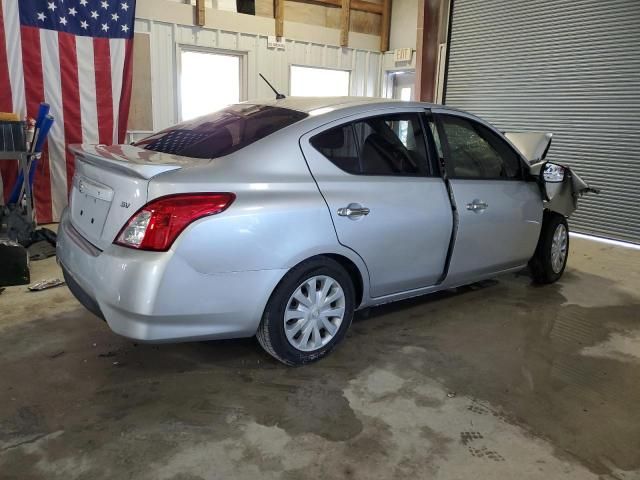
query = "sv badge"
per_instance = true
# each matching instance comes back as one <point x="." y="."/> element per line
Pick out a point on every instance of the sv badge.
<point x="124" y="204"/>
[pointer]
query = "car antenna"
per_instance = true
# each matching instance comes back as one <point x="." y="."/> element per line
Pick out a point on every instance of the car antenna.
<point x="279" y="96"/>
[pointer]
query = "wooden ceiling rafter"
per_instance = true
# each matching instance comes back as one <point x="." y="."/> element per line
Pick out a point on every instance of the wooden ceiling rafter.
<point x="386" y="25"/>
<point x="200" y="19"/>
<point x="383" y="9"/>
<point x="345" y="16"/>
<point x="278" y="9"/>
<point x="361" y="5"/>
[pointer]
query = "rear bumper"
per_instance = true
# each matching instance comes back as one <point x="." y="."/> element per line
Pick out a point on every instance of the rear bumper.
<point x="157" y="297"/>
<point x="81" y="295"/>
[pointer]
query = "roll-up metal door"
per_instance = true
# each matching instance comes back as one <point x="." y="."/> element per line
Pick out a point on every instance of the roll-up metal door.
<point x="571" y="67"/>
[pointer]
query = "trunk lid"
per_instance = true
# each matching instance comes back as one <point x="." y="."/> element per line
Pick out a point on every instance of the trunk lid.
<point x="110" y="185"/>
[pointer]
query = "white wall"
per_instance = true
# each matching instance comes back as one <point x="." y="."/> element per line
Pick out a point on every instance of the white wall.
<point x="404" y="22"/>
<point x="219" y="33"/>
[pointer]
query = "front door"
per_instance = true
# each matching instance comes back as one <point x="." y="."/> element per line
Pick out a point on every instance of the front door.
<point x="499" y="211"/>
<point x="386" y="203"/>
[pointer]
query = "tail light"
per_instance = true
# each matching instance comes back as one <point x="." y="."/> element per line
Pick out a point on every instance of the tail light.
<point x="156" y="225"/>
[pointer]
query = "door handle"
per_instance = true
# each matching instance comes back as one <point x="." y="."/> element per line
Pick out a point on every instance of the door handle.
<point x="477" y="206"/>
<point x="353" y="211"/>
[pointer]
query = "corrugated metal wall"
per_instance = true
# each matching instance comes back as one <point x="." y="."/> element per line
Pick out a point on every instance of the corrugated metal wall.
<point x="274" y="64"/>
<point x="571" y="67"/>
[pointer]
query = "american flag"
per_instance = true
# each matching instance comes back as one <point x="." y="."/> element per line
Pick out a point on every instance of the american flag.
<point x="76" y="56"/>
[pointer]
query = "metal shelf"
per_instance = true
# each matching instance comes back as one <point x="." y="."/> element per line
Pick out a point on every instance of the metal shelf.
<point x="13" y="155"/>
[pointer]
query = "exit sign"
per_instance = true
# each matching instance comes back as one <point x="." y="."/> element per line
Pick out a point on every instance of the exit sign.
<point x="403" y="54"/>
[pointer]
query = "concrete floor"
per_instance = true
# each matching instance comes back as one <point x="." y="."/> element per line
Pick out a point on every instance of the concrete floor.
<point x="499" y="380"/>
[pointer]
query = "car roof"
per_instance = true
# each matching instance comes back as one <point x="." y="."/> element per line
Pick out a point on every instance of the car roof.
<point x="332" y="104"/>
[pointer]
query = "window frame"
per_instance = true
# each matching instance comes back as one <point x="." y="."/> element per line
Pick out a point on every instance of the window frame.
<point x="434" y="158"/>
<point x="426" y="165"/>
<point x="446" y="149"/>
<point x="188" y="47"/>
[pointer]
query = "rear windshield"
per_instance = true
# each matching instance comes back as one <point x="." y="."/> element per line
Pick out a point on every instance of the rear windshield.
<point x="222" y="132"/>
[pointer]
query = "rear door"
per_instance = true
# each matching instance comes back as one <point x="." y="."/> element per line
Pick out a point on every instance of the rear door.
<point x="385" y="201"/>
<point x="499" y="211"/>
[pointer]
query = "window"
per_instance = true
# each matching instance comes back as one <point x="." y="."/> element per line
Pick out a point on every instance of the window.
<point x="477" y="152"/>
<point x="385" y="145"/>
<point x="391" y="145"/>
<point x="338" y="145"/>
<point x="208" y="82"/>
<point x="222" y="132"/>
<point x="318" y="82"/>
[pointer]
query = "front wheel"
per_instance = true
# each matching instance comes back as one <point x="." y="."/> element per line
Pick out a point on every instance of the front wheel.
<point x="308" y="313"/>
<point x="550" y="258"/>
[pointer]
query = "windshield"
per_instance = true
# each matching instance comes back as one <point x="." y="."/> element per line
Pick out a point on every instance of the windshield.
<point x="222" y="132"/>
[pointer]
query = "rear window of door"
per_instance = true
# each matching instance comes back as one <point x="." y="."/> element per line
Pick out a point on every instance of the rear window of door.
<point x="475" y="152"/>
<point x="382" y="145"/>
<point x="222" y="132"/>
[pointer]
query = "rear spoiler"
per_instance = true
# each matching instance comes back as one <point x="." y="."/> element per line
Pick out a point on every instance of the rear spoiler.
<point x="128" y="159"/>
<point x="532" y="145"/>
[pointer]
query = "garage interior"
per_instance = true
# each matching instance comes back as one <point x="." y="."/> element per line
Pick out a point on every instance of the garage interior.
<point x="499" y="379"/>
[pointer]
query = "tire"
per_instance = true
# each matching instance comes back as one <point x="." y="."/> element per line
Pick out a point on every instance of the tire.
<point x="545" y="265"/>
<point x="289" y="347"/>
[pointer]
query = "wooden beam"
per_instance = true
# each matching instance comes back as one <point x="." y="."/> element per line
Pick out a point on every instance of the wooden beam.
<point x="385" y="25"/>
<point x="360" y="5"/>
<point x="279" y="14"/>
<point x="344" y="23"/>
<point x="366" y="6"/>
<point x="432" y="30"/>
<point x="383" y="9"/>
<point x="200" y="13"/>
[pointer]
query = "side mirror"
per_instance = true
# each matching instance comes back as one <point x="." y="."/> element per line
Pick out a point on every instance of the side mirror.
<point x="552" y="176"/>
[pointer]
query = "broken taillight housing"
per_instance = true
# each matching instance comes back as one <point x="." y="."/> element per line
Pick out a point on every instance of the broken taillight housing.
<point x="156" y="225"/>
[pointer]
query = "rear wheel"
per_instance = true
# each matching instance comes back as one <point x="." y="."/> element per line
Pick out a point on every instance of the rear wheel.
<point x="550" y="259"/>
<point x="308" y="313"/>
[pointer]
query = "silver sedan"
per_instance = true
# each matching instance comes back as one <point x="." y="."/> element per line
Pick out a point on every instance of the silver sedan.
<point x="281" y="218"/>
